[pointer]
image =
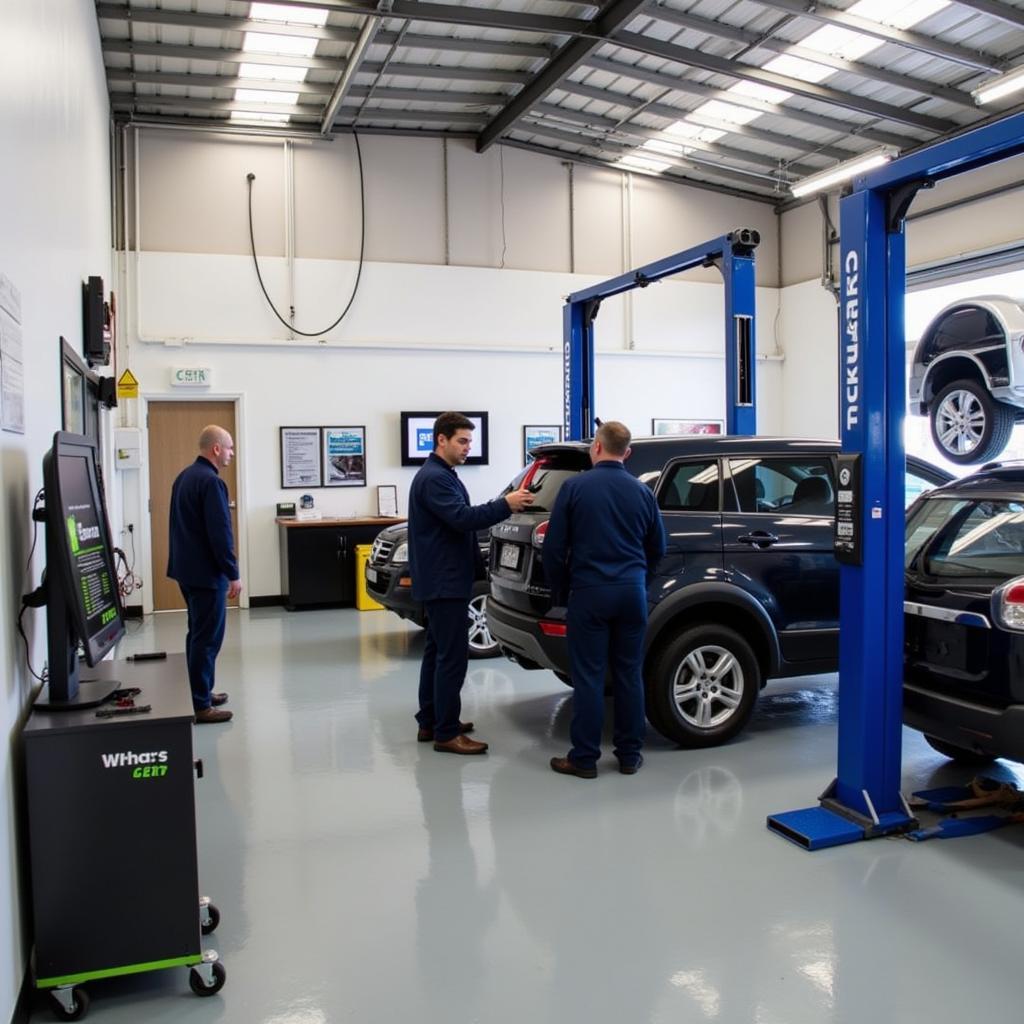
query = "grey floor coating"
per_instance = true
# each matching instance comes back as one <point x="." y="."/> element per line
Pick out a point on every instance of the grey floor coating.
<point x="363" y="877"/>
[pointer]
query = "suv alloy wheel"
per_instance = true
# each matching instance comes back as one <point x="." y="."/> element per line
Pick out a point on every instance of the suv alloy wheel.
<point x="702" y="687"/>
<point x="968" y="424"/>
<point x="481" y="643"/>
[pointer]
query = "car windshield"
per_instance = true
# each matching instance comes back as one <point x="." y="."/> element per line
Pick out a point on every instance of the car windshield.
<point x="957" y="538"/>
<point x="544" y="477"/>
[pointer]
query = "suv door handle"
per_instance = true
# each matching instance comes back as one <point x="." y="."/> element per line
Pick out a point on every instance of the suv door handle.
<point x="759" y="539"/>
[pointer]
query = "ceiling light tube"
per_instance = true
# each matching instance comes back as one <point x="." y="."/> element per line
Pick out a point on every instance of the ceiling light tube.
<point x="843" y="172"/>
<point x="997" y="88"/>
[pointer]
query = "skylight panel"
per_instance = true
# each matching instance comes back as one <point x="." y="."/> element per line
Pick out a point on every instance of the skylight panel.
<point x="797" y="67"/>
<point x="267" y="42"/>
<point x="722" y="111"/>
<point x="265" y="96"/>
<point x="282" y="12"/>
<point x="665" y="147"/>
<point x="272" y="72"/>
<point x="632" y="162"/>
<point x="757" y="91"/>
<point x="687" y="130"/>
<point x="840" y="42"/>
<point x="898" y="13"/>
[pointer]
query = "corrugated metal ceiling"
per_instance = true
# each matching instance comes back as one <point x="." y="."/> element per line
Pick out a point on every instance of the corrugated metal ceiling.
<point x="749" y="96"/>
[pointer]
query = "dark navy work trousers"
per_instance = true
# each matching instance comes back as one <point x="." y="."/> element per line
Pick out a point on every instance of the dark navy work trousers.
<point x="606" y="631"/>
<point x="443" y="671"/>
<point x="207" y="611"/>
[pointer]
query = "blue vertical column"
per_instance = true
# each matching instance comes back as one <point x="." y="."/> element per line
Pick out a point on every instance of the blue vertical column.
<point x="577" y="371"/>
<point x="740" y="349"/>
<point x="872" y="408"/>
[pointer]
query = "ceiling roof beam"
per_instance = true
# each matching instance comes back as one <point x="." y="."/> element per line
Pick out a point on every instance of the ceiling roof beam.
<point x="348" y="76"/>
<point x="708" y="92"/>
<point x="570" y="56"/>
<point x="671" y="113"/>
<point x="902" y="37"/>
<point x="719" y="30"/>
<point x="808" y="90"/>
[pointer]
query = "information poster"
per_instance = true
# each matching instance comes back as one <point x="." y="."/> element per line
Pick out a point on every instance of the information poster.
<point x="344" y="456"/>
<point x="300" y="457"/>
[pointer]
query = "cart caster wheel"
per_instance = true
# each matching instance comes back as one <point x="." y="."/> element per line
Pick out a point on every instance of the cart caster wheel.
<point x="199" y="985"/>
<point x="209" y="917"/>
<point x="70" y="1004"/>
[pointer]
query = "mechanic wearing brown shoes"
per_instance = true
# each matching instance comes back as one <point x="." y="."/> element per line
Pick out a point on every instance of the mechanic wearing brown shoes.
<point x="202" y="560"/>
<point x="444" y="559"/>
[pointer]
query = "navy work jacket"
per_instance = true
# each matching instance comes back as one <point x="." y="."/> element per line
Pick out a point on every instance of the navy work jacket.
<point x="202" y="546"/>
<point x="605" y="529"/>
<point x="443" y="551"/>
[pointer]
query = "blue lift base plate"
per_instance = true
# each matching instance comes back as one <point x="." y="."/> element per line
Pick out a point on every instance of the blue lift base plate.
<point x="814" y="828"/>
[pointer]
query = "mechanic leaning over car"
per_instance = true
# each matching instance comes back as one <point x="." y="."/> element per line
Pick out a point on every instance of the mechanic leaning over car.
<point x="603" y="541"/>
<point x="444" y="559"/>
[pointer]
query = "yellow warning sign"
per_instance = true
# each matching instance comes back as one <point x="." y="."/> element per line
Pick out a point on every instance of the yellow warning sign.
<point x="127" y="385"/>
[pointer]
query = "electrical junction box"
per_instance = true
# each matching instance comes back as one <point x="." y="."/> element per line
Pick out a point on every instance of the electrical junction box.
<point x="128" y="448"/>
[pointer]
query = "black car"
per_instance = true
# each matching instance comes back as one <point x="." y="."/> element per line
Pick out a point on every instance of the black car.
<point x="964" y="616"/>
<point x="748" y="588"/>
<point x="968" y="377"/>
<point x="388" y="581"/>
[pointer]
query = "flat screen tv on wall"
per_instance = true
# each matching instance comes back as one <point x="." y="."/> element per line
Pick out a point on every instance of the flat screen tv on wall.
<point x="418" y="437"/>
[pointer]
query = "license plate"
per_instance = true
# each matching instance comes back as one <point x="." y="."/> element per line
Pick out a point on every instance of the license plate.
<point x="509" y="557"/>
<point x="371" y="575"/>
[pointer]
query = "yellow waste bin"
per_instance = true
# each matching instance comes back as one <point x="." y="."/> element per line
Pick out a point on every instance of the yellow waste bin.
<point x="364" y="602"/>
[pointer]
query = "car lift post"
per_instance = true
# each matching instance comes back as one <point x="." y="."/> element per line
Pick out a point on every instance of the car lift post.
<point x="864" y="800"/>
<point x="733" y="254"/>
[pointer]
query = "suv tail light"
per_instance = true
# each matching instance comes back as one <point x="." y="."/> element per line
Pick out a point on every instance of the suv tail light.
<point x="553" y="628"/>
<point x="539" y="533"/>
<point x="1008" y="604"/>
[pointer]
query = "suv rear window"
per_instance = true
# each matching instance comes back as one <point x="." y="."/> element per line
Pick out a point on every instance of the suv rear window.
<point x="691" y="487"/>
<point x="546" y="474"/>
<point x="961" y="539"/>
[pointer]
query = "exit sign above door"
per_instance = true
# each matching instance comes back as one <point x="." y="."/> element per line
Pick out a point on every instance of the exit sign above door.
<point x="191" y="377"/>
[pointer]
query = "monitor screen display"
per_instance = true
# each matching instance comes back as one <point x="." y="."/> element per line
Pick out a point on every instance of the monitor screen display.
<point x="418" y="437"/>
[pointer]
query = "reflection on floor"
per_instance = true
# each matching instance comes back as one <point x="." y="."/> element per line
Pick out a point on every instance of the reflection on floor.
<point x="363" y="877"/>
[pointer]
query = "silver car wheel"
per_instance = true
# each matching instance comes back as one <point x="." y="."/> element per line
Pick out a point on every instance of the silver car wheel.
<point x="708" y="686"/>
<point x="480" y="639"/>
<point x="960" y="422"/>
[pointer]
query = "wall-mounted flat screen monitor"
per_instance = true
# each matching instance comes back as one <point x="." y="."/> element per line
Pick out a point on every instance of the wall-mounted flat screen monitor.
<point x="83" y="603"/>
<point x="418" y="437"/>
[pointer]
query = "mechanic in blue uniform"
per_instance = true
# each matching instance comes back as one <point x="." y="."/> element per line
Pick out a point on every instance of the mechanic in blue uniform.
<point x="603" y="542"/>
<point x="202" y="560"/>
<point x="444" y="559"/>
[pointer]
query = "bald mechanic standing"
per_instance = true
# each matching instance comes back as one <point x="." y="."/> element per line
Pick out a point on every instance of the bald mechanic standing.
<point x="604" y="539"/>
<point x="202" y="560"/>
<point x="444" y="559"/>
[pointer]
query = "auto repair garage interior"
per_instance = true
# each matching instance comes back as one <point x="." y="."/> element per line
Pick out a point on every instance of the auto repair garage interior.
<point x="302" y="220"/>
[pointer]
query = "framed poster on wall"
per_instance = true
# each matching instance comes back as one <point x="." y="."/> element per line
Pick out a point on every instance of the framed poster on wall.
<point x="344" y="456"/>
<point x="418" y="437"/>
<point x="535" y="435"/>
<point x="660" y="428"/>
<point x="300" y="457"/>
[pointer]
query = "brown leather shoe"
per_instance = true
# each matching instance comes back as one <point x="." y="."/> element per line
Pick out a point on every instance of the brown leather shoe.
<point x="631" y="768"/>
<point x="461" y="745"/>
<point x="213" y="715"/>
<point x="216" y="699"/>
<point x="564" y="766"/>
<point x="426" y="735"/>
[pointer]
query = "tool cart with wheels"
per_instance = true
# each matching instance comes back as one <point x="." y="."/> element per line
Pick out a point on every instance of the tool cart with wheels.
<point x="112" y="839"/>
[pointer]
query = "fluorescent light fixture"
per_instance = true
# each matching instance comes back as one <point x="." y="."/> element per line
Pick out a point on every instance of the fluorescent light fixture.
<point x="272" y="72"/>
<point x="641" y="163"/>
<point x="997" y="88"/>
<point x="268" y="42"/>
<point x="842" y="172"/>
<point x="282" y="12"/>
<point x="248" y="115"/>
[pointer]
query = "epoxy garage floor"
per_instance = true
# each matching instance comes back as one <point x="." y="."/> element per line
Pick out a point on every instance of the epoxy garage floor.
<point x="363" y="877"/>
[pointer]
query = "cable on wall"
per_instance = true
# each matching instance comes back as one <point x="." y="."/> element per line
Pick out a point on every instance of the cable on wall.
<point x="250" y="178"/>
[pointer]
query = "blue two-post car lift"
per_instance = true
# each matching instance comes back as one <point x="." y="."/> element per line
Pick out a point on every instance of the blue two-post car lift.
<point x="865" y="799"/>
<point x="733" y="254"/>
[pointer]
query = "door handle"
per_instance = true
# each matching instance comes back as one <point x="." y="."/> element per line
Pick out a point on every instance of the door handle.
<point x="232" y="504"/>
<point x="759" y="539"/>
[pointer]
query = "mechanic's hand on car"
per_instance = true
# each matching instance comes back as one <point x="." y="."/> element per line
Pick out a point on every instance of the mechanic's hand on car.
<point x="518" y="500"/>
<point x="234" y="589"/>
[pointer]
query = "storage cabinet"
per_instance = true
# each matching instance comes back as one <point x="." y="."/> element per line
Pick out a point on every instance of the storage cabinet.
<point x="318" y="559"/>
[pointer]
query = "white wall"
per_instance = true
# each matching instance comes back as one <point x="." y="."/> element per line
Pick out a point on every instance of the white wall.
<point x="54" y="232"/>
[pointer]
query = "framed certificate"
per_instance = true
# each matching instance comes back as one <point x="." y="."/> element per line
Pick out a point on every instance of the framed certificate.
<point x="344" y="456"/>
<point x="387" y="500"/>
<point x="300" y="457"/>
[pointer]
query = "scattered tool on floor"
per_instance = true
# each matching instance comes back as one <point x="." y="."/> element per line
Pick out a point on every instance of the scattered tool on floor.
<point x="952" y="800"/>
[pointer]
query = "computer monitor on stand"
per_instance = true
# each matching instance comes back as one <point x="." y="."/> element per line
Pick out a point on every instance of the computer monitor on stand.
<point x="83" y="603"/>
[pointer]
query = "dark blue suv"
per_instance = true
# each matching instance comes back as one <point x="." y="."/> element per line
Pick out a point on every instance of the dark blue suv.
<point x="964" y="616"/>
<point x="748" y="588"/>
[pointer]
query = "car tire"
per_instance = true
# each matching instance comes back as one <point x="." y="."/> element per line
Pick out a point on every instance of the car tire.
<point x="481" y="641"/>
<point x="962" y="755"/>
<point x="702" y="686"/>
<point x="968" y="425"/>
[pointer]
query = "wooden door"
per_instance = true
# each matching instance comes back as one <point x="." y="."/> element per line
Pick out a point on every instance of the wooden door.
<point x="174" y="429"/>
